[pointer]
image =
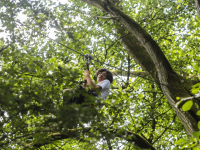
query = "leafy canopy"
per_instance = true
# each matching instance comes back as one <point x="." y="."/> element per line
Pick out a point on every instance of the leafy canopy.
<point x="47" y="41"/>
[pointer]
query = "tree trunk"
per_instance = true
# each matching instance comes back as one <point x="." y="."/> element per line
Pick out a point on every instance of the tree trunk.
<point x="162" y="73"/>
<point x="137" y="51"/>
<point x="197" y="5"/>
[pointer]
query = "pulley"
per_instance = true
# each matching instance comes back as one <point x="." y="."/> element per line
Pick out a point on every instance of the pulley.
<point x="88" y="59"/>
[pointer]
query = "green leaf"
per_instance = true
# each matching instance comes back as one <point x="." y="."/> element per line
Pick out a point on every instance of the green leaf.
<point x="140" y="95"/>
<point x="196" y="85"/>
<point x="79" y="36"/>
<point x="195" y="91"/>
<point x="199" y="124"/>
<point x="120" y="132"/>
<point x="196" y="67"/>
<point x="196" y="134"/>
<point x="198" y="112"/>
<point x="195" y="148"/>
<point x="187" y="106"/>
<point x="195" y="88"/>
<point x="179" y="142"/>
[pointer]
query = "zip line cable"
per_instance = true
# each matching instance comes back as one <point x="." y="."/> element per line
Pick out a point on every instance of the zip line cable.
<point x="97" y="60"/>
<point x="67" y="46"/>
<point x="107" y="64"/>
<point x="100" y="61"/>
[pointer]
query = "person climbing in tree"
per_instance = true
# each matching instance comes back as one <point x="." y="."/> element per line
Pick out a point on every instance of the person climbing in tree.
<point x="104" y="79"/>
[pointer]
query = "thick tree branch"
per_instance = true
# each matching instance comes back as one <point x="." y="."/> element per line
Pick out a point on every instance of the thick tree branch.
<point x="76" y="133"/>
<point x="162" y="73"/>
<point x="137" y="51"/>
<point x="4" y="47"/>
<point x="197" y="5"/>
<point x="131" y="73"/>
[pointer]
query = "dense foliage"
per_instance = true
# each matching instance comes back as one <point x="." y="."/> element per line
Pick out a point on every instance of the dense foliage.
<point x="42" y="47"/>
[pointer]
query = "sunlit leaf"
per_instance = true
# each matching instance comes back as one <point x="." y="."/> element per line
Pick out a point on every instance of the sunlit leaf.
<point x="196" y="134"/>
<point x="187" y="106"/>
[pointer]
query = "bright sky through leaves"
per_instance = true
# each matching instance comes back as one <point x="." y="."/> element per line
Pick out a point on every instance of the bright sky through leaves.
<point x="158" y="44"/>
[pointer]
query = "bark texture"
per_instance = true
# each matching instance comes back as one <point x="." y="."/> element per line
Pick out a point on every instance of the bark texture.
<point x="137" y="51"/>
<point x="197" y="5"/>
<point x="141" y="45"/>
